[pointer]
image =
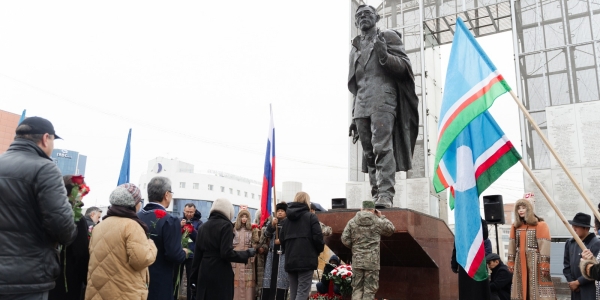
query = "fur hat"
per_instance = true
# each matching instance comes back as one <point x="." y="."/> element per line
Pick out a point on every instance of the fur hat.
<point x="238" y="220"/>
<point x="223" y="206"/>
<point x="126" y="194"/>
<point x="530" y="217"/>
<point x="281" y="205"/>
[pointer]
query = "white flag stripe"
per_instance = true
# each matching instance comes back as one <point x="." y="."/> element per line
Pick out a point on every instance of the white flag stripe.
<point x="490" y="151"/>
<point x="464" y="98"/>
<point x="474" y="248"/>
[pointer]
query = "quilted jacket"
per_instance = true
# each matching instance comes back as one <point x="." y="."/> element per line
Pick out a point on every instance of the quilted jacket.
<point x="35" y="217"/>
<point x="120" y="253"/>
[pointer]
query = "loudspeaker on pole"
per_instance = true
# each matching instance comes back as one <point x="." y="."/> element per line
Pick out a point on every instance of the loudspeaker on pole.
<point x="493" y="209"/>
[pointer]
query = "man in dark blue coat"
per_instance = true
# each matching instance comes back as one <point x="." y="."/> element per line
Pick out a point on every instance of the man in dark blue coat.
<point x="501" y="278"/>
<point x="191" y="217"/>
<point x="581" y="288"/>
<point x="165" y="231"/>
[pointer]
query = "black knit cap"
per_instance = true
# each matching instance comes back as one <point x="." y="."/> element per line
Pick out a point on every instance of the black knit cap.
<point x="281" y="205"/>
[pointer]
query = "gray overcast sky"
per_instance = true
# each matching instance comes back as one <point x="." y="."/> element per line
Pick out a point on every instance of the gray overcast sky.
<point x="193" y="80"/>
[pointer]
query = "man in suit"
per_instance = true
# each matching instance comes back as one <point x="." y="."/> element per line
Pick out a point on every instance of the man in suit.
<point x="385" y="110"/>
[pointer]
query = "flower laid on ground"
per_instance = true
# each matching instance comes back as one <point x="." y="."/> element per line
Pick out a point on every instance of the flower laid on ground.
<point x="77" y="193"/>
<point x="319" y="296"/>
<point x="342" y="276"/>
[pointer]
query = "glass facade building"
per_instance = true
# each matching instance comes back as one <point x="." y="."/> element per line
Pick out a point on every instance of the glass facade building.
<point x="69" y="162"/>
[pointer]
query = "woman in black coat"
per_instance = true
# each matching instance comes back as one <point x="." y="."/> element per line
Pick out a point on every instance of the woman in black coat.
<point x="70" y="284"/>
<point x="213" y="254"/>
<point x="302" y="241"/>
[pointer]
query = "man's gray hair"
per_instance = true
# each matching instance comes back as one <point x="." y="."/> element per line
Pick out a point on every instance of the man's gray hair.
<point x="92" y="209"/>
<point x="157" y="187"/>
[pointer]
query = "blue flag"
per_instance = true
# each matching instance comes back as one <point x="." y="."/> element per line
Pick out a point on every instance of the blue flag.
<point x="22" y="117"/>
<point x="125" y="168"/>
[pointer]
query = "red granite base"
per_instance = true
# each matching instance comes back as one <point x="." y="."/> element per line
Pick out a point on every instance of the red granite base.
<point x="415" y="260"/>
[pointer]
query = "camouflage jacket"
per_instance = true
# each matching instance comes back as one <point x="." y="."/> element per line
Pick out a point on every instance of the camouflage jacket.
<point x="363" y="234"/>
<point x="325" y="229"/>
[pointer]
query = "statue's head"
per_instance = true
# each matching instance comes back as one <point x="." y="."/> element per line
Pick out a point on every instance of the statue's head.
<point x="366" y="17"/>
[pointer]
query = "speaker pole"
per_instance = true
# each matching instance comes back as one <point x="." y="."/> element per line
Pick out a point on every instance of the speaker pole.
<point x="497" y="240"/>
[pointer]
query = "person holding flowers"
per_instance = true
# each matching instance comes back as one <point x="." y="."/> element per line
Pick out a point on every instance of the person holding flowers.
<point x="120" y="250"/>
<point x="35" y="215"/>
<point x="244" y="278"/>
<point x="165" y="231"/>
<point x="70" y="284"/>
<point x="363" y="235"/>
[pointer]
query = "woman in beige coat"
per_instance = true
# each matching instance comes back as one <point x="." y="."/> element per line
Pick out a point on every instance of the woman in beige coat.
<point x="120" y="250"/>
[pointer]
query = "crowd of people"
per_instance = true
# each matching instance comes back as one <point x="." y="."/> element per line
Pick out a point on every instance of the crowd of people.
<point x="53" y="251"/>
<point x="526" y="275"/>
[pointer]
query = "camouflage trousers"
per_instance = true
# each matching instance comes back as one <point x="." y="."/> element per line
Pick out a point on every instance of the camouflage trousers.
<point x="364" y="284"/>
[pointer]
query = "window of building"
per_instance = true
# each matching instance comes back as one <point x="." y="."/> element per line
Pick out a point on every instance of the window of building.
<point x="246" y="194"/>
<point x="222" y="189"/>
<point x="239" y="193"/>
<point x="182" y="185"/>
<point x="259" y="196"/>
<point x="196" y="186"/>
<point x="252" y="195"/>
<point x="210" y="187"/>
<point x="231" y="191"/>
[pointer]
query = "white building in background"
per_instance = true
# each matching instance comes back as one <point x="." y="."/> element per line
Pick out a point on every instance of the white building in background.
<point x="202" y="189"/>
<point x="290" y="188"/>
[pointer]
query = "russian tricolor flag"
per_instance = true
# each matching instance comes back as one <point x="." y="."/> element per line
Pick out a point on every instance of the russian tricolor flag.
<point x="269" y="176"/>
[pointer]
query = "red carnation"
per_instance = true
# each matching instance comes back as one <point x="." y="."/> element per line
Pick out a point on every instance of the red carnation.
<point x="254" y="226"/>
<point x="160" y="213"/>
<point x="77" y="179"/>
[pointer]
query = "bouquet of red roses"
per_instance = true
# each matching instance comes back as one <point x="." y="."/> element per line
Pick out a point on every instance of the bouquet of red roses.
<point x="79" y="190"/>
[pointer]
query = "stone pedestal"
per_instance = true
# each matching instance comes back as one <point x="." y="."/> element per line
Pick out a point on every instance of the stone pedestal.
<point x="415" y="260"/>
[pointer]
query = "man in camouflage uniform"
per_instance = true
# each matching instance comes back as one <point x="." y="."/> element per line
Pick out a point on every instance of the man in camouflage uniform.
<point x="363" y="234"/>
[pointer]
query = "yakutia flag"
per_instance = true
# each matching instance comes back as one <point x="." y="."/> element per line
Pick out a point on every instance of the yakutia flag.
<point x="472" y="149"/>
<point x="269" y="175"/>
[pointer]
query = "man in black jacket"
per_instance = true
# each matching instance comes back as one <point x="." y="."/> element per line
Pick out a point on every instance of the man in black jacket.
<point x="581" y="288"/>
<point x="35" y="217"/>
<point x="501" y="278"/>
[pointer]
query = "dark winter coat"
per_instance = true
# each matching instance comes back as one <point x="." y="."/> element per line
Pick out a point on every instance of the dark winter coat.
<point x="35" y="217"/>
<point x="212" y="271"/>
<point x="501" y="281"/>
<point x="301" y="238"/>
<point x="572" y="257"/>
<point x="196" y="222"/>
<point x="76" y="267"/>
<point x="166" y="234"/>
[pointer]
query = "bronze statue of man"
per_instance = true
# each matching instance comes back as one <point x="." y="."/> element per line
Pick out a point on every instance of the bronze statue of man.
<point x="385" y="113"/>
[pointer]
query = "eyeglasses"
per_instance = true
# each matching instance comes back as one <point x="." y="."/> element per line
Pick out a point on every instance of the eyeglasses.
<point x="171" y="192"/>
<point x="366" y="13"/>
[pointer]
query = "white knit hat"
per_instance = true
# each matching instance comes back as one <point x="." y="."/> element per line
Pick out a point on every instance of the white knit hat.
<point x="223" y="206"/>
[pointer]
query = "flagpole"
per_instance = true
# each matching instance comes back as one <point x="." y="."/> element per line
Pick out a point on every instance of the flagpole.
<point x="558" y="212"/>
<point x="551" y="149"/>
<point x="275" y="216"/>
